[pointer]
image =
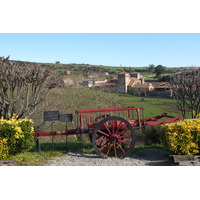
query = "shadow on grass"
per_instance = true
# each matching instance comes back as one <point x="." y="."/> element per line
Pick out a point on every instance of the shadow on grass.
<point x="63" y="147"/>
<point x="157" y="155"/>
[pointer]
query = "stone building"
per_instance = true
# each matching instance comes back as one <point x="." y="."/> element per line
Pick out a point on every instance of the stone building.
<point x="123" y="81"/>
<point x="133" y="83"/>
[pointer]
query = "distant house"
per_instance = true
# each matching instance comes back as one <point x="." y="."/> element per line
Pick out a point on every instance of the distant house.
<point x="162" y="86"/>
<point x="162" y="89"/>
<point x="114" y="80"/>
<point x="87" y="82"/>
<point x="133" y="83"/>
<point x="135" y="75"/>
<point x="93" y="75"/>
<point x="68" y="81"/>
<point x="106" y="73"/>
<point x="99" y="81"/>
<point x="107" y="87"/>
<point x="92" y="82"/>
<point x="140" y="89"/>
<point x="67" y="72"/>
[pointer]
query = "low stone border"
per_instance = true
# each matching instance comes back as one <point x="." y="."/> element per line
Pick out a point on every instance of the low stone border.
<point x="183" y="160"/>
<point x="7" y="162"/>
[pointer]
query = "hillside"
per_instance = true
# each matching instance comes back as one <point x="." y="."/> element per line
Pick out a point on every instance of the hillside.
<point x="86" y="69"/>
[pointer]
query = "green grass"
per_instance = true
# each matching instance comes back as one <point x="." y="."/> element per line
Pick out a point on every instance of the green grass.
<point x="154" y="106"/>
<point x="75" y="146"/>
<point x="138" y="150"/>
<point x="34" y="158"/>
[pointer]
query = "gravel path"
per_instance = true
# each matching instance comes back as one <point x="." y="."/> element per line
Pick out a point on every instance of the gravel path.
<point x="151" y="157"/>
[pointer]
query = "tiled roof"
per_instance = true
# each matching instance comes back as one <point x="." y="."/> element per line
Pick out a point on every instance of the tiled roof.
<point x="99" y="79"/>
<point x="132" y="81"/>
<point x="145" y="85"/>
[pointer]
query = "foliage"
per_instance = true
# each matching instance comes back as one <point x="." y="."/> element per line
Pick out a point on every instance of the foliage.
<point x="23" y="86"/>
<point x="186" y="91"/>
<point x="183" y="137"/>
<point x="3" y="148"/>
<point x="33" y="158"/>
<point x="151" y="68"/>
<point x="165" y="78"/>
<point x="153" y="135"/>
<point x="159" y="69"/>
<point x="16" y="136"/>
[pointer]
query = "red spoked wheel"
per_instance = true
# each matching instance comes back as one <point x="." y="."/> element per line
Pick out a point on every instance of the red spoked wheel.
<point x="113" y="137"/>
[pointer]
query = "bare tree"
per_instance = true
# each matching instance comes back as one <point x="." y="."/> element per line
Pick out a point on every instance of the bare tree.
<point x="23" y="87"/>
<point x="186" y="91"/>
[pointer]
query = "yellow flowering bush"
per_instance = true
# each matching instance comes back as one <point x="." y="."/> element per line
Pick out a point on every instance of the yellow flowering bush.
<point x="183" y="137"/>
<point x="16" y="136"/>
<point x="3" y="149"/>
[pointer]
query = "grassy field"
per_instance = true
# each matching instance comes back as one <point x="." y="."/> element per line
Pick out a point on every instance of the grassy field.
<point x="154" y="106"/>
<point x="68" y="100"/>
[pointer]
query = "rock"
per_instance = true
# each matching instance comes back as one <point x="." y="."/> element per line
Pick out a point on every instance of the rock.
<point x="7" y="162"/>
<point x="184" y="160"/>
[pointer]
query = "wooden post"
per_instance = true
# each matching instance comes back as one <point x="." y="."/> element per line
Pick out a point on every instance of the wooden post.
<point x="66" y="131"/>
<point x="38" y="144"/>
<point x="52" y="134"/>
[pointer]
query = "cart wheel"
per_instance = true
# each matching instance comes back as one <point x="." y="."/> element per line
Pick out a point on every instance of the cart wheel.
<point x="97" y="119"/>
<point x="113" y="137"/>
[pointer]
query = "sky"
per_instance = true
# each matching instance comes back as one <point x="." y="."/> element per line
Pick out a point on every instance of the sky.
<point x="111" y="49"/>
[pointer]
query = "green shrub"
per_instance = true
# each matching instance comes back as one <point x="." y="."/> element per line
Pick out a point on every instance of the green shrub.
<point x="183" y="137"/>
<point x="16" y="136"/>
<point x="152" y="135"/>
<point x="3" y="149"/>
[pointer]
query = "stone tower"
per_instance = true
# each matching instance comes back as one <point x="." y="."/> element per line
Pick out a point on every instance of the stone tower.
<point x="135" y="75"/>
<point x="123" y="81"/>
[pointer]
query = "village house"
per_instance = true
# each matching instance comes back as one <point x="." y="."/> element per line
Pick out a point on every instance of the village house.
<point x="68" y="81"/>
<point x="140" y="89"/>
<point x="133" y="83"/>
<point x="106" y="73"/>
<point x="93" y="75"/>
<point x="107" y="87"/>
<point x="87" y="82"/>
<point x="93" y="82"/>
<point x="67" y="72"/>
<point x="162" y="89"/>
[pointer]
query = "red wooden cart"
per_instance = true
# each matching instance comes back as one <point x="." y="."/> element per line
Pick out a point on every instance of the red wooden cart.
<point x="112" y="130"/>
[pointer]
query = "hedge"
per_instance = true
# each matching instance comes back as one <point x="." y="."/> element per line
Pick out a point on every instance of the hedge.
<point x="16" y="136"/>
<point x="183" y="137"/>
